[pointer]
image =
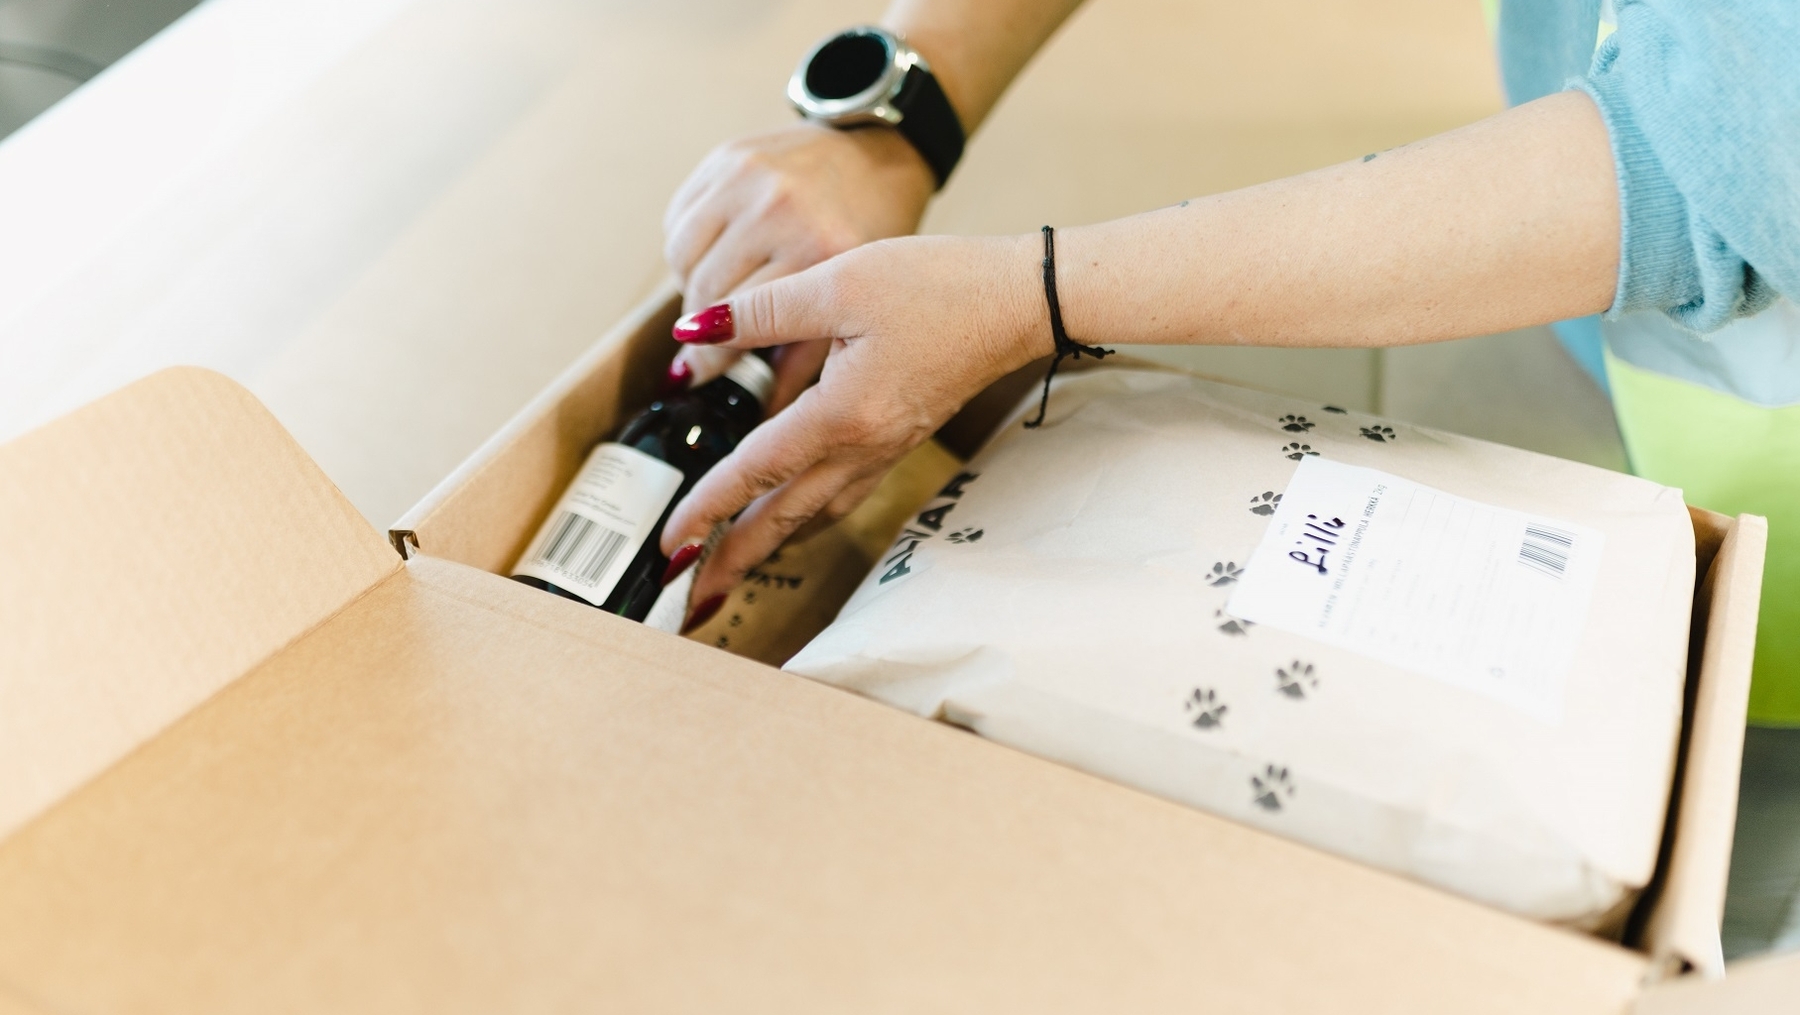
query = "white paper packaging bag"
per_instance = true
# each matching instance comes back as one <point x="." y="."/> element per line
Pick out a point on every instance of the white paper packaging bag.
<point x="1450" y="659"/>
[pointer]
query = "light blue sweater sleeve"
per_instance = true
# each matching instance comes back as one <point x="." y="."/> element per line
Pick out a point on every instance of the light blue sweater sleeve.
<point x="1702" y="102"/>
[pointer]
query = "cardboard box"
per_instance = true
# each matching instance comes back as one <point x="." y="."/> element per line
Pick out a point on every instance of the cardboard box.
<point x="250" y="760"/>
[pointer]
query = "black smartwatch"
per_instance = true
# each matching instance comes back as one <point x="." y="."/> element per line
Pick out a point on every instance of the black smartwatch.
<point x="869" y="75"/>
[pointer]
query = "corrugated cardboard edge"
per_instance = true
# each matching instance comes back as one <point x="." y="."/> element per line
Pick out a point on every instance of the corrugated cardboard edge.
<point x="157" y="544"/>
<point x="1760" y="986"/>
<point x="1681" y="931"/>
<point x="472" y="515"/>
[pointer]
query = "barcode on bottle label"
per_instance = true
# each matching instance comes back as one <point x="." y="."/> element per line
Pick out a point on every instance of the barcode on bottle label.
<point x="581" y="548"/>
<point x="1546" y="550"/>
<point x="601" y="522"/>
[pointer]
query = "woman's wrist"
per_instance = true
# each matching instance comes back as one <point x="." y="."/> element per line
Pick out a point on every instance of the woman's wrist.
<point x="1020" y="330"/>
<point x="976" y="49"/>
<point x="897" y="164"/>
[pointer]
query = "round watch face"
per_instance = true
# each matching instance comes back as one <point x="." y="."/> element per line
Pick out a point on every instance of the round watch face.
<point x="848" y="65"/>
<point x="853" y="77"/>
<point x="869" y="75"/>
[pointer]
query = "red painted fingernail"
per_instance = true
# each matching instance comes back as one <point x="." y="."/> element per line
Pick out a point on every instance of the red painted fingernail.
<point x="703" y="613"/>
<point x="705" y="327"/>
<point x="682" y="560"/>
<point x="676" y="380"/>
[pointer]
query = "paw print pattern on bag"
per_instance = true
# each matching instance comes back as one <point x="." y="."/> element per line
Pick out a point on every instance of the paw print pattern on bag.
<point x="1271" y="787"/>
<point x="1225" y="572"/>
<point x="1334" y="410"/>
<point x="1295" y="424"/>
<point x="1264" y="503"/>
<point x="965" y="535"/>
<point x="1298" y="451"/>
<point x="1295" y="679"/>
<point x="1232" y="625"/>
<point x="1205" y="701"/>
<point x="1379" y="434"/>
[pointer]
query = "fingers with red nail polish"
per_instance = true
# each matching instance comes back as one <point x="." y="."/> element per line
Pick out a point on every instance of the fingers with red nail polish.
<point x="676" y="380"/>
<point x="706" y="327"/>
<point x="703" y="613"/>
<point x="680" y="561"/>
<point x="705" y="363"/>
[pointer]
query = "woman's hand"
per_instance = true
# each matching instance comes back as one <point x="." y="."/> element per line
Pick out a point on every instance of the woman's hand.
<point x="916" y="327"/>
<point x="767" y="206"/>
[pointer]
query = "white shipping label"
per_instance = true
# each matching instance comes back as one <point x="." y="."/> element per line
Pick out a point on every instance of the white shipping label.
<point x="1484" y="598"/>
<point x="601" y="522"/>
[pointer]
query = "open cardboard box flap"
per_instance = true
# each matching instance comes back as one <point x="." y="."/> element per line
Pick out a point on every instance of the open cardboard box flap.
<point x="251" y="761"/>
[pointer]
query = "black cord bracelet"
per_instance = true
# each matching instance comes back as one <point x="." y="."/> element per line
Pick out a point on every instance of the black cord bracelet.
<point x="1065" y="346"/>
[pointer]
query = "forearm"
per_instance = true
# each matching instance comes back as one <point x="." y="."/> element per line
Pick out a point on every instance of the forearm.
<point x="1509" y="222"/>
<point x="976" y="47"/>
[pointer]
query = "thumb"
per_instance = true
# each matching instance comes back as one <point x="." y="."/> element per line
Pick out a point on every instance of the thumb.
<point x="790" y="309"/>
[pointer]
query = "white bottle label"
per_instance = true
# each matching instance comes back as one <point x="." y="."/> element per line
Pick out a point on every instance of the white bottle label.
<point x="601" y="522"/>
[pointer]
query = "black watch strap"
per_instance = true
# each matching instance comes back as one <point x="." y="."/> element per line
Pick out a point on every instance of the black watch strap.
<point x="929" y="122"/>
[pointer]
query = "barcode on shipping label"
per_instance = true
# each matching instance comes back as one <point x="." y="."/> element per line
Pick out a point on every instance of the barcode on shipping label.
<point x="1486" y="598"/>
<point x="601" y="522"/>
<point x="1546" y="549"/>
<point x="581" y="548"/>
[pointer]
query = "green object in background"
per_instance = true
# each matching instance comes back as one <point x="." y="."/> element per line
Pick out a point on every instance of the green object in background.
<point x="1734" y="457"/>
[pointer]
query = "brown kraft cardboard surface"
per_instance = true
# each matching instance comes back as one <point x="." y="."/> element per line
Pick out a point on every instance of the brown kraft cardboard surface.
<point x="450" y="792"/>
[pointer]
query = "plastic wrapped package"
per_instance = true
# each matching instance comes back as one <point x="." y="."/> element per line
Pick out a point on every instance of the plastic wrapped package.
<point x="1453" y="660"/>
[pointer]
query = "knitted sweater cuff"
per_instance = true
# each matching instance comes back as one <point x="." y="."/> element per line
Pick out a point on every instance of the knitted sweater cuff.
<point x="1657" y="270"/>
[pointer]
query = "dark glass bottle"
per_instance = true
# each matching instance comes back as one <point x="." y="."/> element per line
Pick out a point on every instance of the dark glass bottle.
<point x="600" y="545"/>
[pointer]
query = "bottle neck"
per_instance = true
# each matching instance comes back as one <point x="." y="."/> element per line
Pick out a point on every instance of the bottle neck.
<point x="753" y="373"/>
